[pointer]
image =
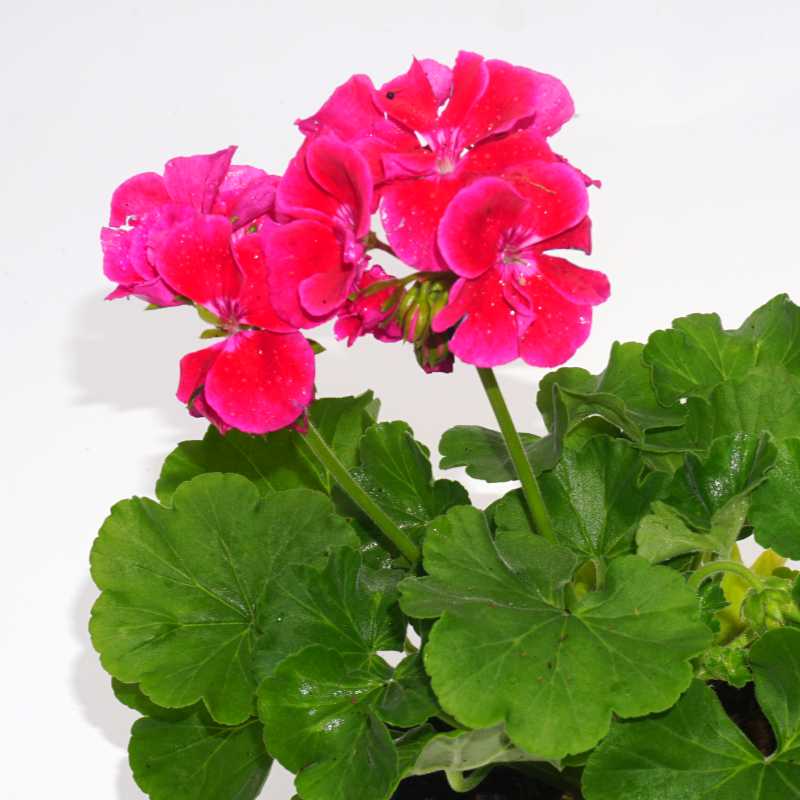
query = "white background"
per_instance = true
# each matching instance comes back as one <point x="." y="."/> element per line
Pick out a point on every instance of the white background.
<point x="688" y="111"/>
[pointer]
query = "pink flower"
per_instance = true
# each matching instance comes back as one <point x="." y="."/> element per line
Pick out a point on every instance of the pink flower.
<point x="260" y="378"/>
<point x="476" y="119"/>
<point x="147" y="205"/>
<point x="371" y="312"/>
<point x="511" y="299"/>
<point x="317" y="257"/>
<point x="352" y="116"/>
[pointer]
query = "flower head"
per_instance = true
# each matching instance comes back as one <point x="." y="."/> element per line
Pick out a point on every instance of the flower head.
<point x="260" y="377"/>
<point x="512" y="299"/>
<point x="147" y="205"/>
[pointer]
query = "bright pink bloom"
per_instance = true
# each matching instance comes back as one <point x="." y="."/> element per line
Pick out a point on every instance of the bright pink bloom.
<point x="512" y="300"/>
<point x="352" y="116"/>
<point x="147" y="205"/>
<point x="475" y="120"/>
<point x="317" y="257"/>
<point x="371" y="313"/>
<point x="261" y="377"/>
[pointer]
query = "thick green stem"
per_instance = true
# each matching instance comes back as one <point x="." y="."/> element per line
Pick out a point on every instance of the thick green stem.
<point x="329" y="460"/>
<point x="530" y="486"/>
<point x="733" y="567"/>
<point x="461" y="783"/>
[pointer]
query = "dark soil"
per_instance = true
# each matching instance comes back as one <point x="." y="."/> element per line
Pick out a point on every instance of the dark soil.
<point x="742" y="707"/>
<point x="501" y="784"/>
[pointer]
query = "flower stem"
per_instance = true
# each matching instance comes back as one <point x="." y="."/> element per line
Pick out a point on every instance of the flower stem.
<point x="329" y="460"/>
<point x="724" y="566"/>
<point x="461" y="783"/>
<point x="530" y="486"/>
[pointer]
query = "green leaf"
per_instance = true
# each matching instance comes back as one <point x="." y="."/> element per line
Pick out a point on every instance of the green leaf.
<point x="776" y="328"/>
<point x="273" y="462"/>
<point x="768" y="400"/>
<point x="503" y="652"/>
<point x="622" y="395"/>
<point x="696" y="751"/>
<point x="320" y="723"/>
<point x="775" y="507"/>
<point x="336" y="607"/>
<point x="130" y="695"/>
<point x="664" y="535"/>
<point x="396" y="471"/>
<point x="408" y="699"/>
<point x="467" y="750"/>
<point x="182" y="587"/>
<point x="484" y="453"/>
<point x="712" y="601"/>
<point x="595" y="496"/>
<point x="197" y="759"/>
<point x="694" y="356"/>
<point x="735" y="465"/>
<point x="278" y="460"/>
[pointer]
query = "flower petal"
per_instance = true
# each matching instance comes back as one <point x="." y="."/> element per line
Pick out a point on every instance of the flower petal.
<point x="410" y="99"/>
<point x="195" y="258"/>
<point x="581" y="286"/>
<point x="440" y="77"/>
<point x="245" y="194"/>
<point x="470" y="78"/>
<point x="475" y="225"/>
<point x="344" y="174"/>
<point x="578" y="237"/>
<point x="487" y="325"/>
<point x="367" y="313"/>
<point x="261" y="381"/>
<point x="411" y="211"/>
<point x="295" y="252"/>
<point x="253" y="302"/>
<point x="558" y="329"/>
<point x="194" y="368"/>
<point x="556" y="194"/>
<point x="512" y="95"/>
<point x="136" y="196"/>
<point x="195" y="180"/>
<point x="496" y="156"/>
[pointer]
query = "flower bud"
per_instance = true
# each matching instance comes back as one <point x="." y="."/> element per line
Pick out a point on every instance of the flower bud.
<point x="433" y="354"/>
<point x="771" y="607"/>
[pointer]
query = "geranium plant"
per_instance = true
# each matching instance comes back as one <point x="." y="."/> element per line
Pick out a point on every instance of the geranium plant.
<point x="303" y="588"/>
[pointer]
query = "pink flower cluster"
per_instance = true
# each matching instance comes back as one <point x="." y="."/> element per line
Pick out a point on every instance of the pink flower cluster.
<point x="470" y="194"/>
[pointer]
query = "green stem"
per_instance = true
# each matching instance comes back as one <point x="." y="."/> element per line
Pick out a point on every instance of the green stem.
<point x="733" y="567"/>
<point x="459" y="783"/>
<point x="329" y="460"/>
<point x="530" y="486"/>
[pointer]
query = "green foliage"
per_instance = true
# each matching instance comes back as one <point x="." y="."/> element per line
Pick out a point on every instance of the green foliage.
<point x="247" y="615"/>
<point x="557" y="672"/>
<point x="695" y="750"/>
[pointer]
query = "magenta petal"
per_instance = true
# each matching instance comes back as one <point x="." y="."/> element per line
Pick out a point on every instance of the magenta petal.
<point x="136" y="196"/>
<point x="245" y="194"/>
<point x="475" y="225"/>
<point x="578" y="237"/>
<point x="323" y="293"/>
<point x="195" y="180"/>
<point x="195" y="258"/>
<point x="344" y="174"/>
<point x="261" y="381"/>
<point x="411" y="211"/>
<point x="581" y="286"/>
<point x="496" y="156"/>
<point x="487" y="326"/>
<point x="253" y="303"/>
<point x="410" y="99"/>
<point x="440" y="77"/>
<point x="191" y="388"/>
<point x="408" y="165"/>
<point x="556" y="194"/>
<point x="514" y="94"/>
<point x="295" y="252"/>
<point x="558" y="329"/>
<point x="117" y="265"/>
<point x="470" y="78"/>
